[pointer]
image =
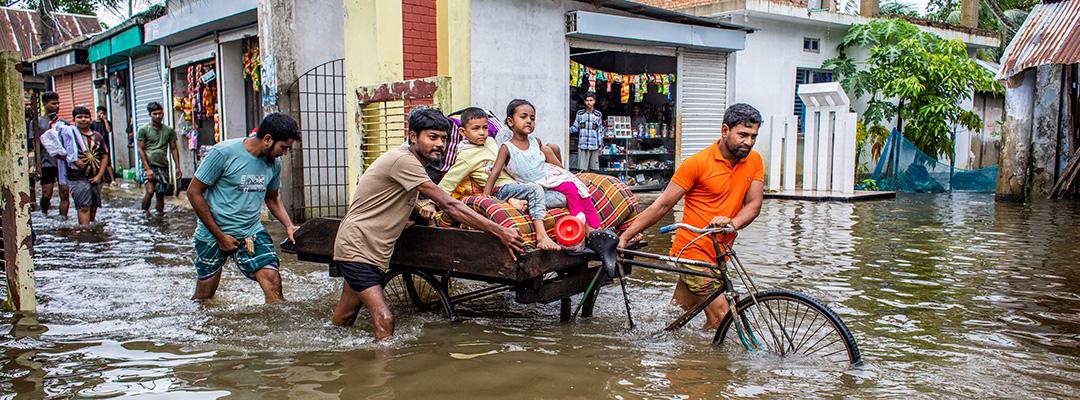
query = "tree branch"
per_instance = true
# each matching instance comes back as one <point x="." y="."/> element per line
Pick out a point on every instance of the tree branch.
<point x="1000" y="15"/>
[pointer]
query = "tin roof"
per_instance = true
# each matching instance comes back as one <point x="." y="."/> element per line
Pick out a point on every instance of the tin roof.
<point x="1050" y="35"/>
<point x="20" y="29"/>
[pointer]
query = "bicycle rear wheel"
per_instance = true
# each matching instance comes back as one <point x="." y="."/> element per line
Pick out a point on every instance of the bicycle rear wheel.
<point x="790" y="325"/>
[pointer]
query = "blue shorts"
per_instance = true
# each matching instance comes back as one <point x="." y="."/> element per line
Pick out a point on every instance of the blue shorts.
<point x="209" y="258"/>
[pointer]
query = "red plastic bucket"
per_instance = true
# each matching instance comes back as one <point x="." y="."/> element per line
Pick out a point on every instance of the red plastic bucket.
<point x="569" y="231"/>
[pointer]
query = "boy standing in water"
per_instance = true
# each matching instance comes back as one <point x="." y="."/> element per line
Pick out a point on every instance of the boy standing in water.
<point x="91" y="166"/>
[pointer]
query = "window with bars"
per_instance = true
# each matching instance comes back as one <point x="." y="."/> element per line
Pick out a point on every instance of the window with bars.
<point x="383" y="128"/>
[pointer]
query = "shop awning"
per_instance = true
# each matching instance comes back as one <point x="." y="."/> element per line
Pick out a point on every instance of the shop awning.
<point x="192" y="20"/>
<point x="65" y="62"/>
<point x="640" y="31"/>
<point x="119" y="44"/>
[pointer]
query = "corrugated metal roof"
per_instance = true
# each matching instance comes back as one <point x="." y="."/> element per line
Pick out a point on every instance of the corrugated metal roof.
<point x="20" y="30"/>
<point x="1050" y="35"/>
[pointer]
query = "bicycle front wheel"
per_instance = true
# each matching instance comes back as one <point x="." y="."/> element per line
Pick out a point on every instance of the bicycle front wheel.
<point x="792" y="325"/>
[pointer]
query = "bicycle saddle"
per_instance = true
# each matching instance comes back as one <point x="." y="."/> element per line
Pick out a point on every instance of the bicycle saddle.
<point x="605" y="244"/>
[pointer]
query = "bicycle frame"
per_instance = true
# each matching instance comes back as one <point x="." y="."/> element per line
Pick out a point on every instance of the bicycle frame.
<point x="716" y="270"/>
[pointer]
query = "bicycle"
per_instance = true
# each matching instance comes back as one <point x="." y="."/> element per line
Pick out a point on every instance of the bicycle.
<point x="784" y="323"/>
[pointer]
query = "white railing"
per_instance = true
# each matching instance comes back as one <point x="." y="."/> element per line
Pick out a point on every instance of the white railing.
<point x="828" y="162"/>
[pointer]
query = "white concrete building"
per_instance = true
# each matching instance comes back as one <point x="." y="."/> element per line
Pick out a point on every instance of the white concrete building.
<point x="791" y="41"/>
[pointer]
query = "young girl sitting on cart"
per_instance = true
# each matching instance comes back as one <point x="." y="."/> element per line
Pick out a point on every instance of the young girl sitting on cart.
<point x="474" y="161"/>
<point x="528" y="160"/>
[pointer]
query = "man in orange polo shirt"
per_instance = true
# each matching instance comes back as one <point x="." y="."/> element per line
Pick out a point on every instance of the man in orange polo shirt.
<point x="722" y="185"/>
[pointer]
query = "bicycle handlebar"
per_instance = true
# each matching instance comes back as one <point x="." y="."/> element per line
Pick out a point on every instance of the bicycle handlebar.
<point x="691" y="228"/>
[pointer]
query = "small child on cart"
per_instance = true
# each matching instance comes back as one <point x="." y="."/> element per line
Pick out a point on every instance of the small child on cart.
<point x="470" y="172"/>
<point x="529" y="161"/>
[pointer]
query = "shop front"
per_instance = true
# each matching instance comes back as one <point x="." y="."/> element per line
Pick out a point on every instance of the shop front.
<point x="206" y="84"/>
<point x="127" y="77"/>
<point x="660" y="78"/>
<point x="635" y="94"/>
<point x="194" y="101"/>
<point x="661" y="87"/>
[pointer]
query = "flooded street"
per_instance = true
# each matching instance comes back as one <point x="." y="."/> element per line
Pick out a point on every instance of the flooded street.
<point x="947" y="295"/>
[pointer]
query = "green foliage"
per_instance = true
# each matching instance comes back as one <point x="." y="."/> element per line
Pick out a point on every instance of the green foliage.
<point x="875" y="137"/>
<point x="867" y="184"/>
<point x="912" y="75"/>
<point x="898" y="7"/>
<point x="84" y="7"/>
<point x="1014" y="12"/>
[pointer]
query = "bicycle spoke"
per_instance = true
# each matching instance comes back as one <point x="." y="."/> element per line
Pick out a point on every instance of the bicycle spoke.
<point x="842" y="350"/>
<point x="802" y="342"/>
<point x="772" y="332"/>
<point x="819" y="340"/>
<point x="817" y="349"/>
<point x="800" y="321"/>
<point x="759" y="322"/>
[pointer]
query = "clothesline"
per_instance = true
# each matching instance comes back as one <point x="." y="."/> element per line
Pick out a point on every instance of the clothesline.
<point x="582" y="74"/>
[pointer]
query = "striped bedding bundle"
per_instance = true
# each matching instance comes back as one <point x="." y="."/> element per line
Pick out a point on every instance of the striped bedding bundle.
<point x="614" y="202"/>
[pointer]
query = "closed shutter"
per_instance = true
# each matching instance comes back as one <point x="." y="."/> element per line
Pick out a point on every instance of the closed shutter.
<point x="196" y="50"/>
<point x="62" y="87"/>
<point x="147" y="84"/>
<point x="82" y="89"/>
<point x="75" y="89"/>
<point x="702" y="99"/>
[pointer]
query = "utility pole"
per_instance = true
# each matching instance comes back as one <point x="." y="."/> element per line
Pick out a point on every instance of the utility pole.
<point x="14" y="188"/>
<point x="49" y="29"/>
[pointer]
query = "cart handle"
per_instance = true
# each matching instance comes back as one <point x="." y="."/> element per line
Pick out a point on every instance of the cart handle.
<point x="691" y="228"/>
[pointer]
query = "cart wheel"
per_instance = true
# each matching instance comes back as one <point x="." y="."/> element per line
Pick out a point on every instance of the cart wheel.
<point x="411" y="290"/>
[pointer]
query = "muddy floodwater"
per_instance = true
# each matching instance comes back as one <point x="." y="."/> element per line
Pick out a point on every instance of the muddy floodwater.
<point x="948" y="296"/>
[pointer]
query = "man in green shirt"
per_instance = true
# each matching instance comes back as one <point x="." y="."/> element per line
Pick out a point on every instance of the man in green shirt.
<point x="155" y="139"/>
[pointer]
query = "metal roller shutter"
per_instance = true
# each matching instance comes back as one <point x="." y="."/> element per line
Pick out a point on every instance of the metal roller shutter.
<point x="62" y="87"/>
<point x="75" y="89"/>
<point x="702" y="99"/>
<point x="147" y="84"/>
<point x="82" y="89"/>
<point x="196" y="50"/>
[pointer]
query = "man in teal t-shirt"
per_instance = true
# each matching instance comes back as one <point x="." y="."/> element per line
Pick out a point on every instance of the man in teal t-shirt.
<point x="232" y="183"/>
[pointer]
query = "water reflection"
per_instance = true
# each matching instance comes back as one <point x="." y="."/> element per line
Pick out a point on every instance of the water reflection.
<point x="952" y="295"/>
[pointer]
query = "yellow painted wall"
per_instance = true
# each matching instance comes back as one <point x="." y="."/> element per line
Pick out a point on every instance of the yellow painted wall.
<point x="373" y="43"/>
<point x="455" y="58"/>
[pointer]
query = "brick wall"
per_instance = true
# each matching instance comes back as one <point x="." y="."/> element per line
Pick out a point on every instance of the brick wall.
<point x="420" y="44"/>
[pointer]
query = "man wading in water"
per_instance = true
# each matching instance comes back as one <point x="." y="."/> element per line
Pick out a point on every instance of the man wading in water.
<point x="232" y="183"/>
<point x="384" y="199"/>
<point x="723" y="186"/>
